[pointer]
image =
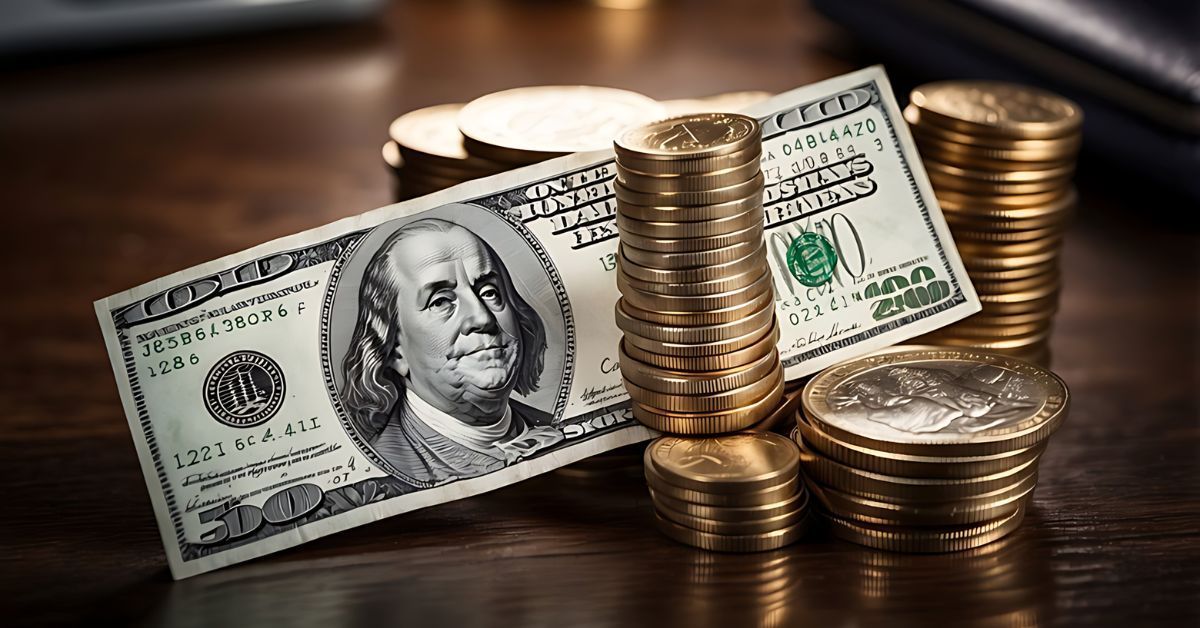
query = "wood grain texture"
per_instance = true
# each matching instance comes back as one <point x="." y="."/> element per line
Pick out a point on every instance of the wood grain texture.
<point x="126" y="166"/>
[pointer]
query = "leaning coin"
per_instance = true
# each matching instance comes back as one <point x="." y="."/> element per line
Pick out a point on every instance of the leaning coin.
<point x="730" y="360"/>
<point x="692" y="334"/>
<point x="1033" y="404"/>
<point x="744" y="499"/>
<point x="697" y="229"/>
<point x="651" y="183"/>
<point x="912" y="466"/>
<point x="714" y="526"/>
<point x="689" y="137"/>
<point x="733" y="543"/>
<point x="752" y="187"/>
<point x="930" y="541"/>
<point x="797" y="501"/>
<point x="687" y="383"/>
<point x="997" y="109"/>
<point x="707" y="423"/>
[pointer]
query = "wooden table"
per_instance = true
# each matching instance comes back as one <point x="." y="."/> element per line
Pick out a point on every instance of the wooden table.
<point x="126" y="166"/>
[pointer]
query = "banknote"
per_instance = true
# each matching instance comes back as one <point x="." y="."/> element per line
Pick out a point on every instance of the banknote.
<point x="463" y="341"/>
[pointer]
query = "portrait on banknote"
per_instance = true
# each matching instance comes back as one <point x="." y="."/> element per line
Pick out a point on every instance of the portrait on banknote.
<point x="456" y="331"/>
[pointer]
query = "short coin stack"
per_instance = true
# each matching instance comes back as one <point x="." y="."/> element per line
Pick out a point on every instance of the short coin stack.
<point x="1000" y="157"/>
<point x="697" y="308"/>
<point x="426" y="152"/>
<point x="732" y="493"/>
<point x="927" y="449"/>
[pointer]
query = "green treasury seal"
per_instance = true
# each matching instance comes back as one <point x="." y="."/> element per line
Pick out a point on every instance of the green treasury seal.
<point x="811" y="259"/>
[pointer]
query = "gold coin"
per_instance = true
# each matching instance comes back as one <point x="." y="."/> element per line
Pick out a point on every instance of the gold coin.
<point x="689" y="259"/>
<point x="719" y="285"/>
<point x="730" y="463"/>
<point x="923" y="540"/>
<point x="993" y="308"/>
<point x="1014" y="274"/>
<point x="724" y="401"/>
<point x="966" y="331"/>
<point x="695" y="229"/>
<point x="750" y="188"/>
<point x="526" y="123"/>
<point x="690" y="213"/>
<point x="704" y="423"/>
<point x="797" y="501"/>
<point x="1044" y="290"/>
<point x="689" y="137"/>
<point x="977" y="262"/>
<point x="1005" y="237"/>
<point x="692" y="165"/>
<point x="431" y="135"/>
<point x="720" y="362"/>
<point x="1009" y="249"/>
<point x="665" y="183"/>
<point x="698" y="334"/>
<point x="908" y="465"/>
<point x="1015" y="285"/>
<point x="942" y="181"/>
<point x="991" y="158"/>
<point x="1027" y="149"/>
<point x="690" y="383"/>
<point x="1011" y="320"/>
<point x="639" y="298"/>
<point x="752" y="234"/>
<point x="720" y="346"/>
<point x="991" y="344"/>
<point x="876" y="402"/>
<point x="743" y="499"/>
<point x="733" y="543"/>
<point x="391" y="155"/>
<point x="980" y="222"/>
<point x="901" y="490"/>
<point x="714" y="526"/>
<point x="997" y="109"/>
<point x="788" y="407"/>
<point x="1029" y="175"/>
<point x="702" y="318"/>
<point x="696" y="273"/>
<point x="1008" y="205"/>
<point x="914" y="513"/>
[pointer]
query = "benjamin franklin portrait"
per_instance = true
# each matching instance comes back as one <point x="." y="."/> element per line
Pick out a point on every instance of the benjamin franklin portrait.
<point x="928" y="399"/>
<point x="442" y="340"/>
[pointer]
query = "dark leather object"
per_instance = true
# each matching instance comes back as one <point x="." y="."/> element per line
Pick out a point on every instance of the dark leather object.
<point x="1134" y="67"/>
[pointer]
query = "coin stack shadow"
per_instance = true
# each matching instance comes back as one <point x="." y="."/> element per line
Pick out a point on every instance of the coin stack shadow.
<point x="928" y="497"/>
<point x="426" y="153"/>
<point x="1004" y="185"/>
<point x="697" y="308"/>
<point x="734" y="493"/>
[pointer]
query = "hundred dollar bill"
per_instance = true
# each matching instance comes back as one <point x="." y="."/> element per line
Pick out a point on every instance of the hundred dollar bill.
<point x="463" y="341"/>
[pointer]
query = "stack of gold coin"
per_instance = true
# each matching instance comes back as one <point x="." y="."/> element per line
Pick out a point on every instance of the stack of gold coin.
<point x="732" y="493"/>
<point x="927" y="449"/>
<point x="697" y="308"/>
<point x="522" y="126"/>
<point x="426" y="152"/>
<point x="1000" y="157"/>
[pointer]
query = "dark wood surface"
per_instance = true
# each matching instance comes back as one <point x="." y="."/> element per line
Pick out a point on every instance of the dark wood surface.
<point x="122" y="167"/>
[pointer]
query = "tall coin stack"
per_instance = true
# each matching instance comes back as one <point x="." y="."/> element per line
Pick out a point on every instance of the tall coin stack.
<point x="1000" y="157"/>
<point x="732" y="493"/>
<point x="927" y="449"/>
<point x="697" y="307"/>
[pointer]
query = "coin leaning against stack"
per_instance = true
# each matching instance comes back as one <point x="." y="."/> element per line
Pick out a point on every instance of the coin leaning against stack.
<point x="927" y="449"/>
<point x="1000" y="157"/>
<point x="732" y="493"/>
<point x="697" y="308"/>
